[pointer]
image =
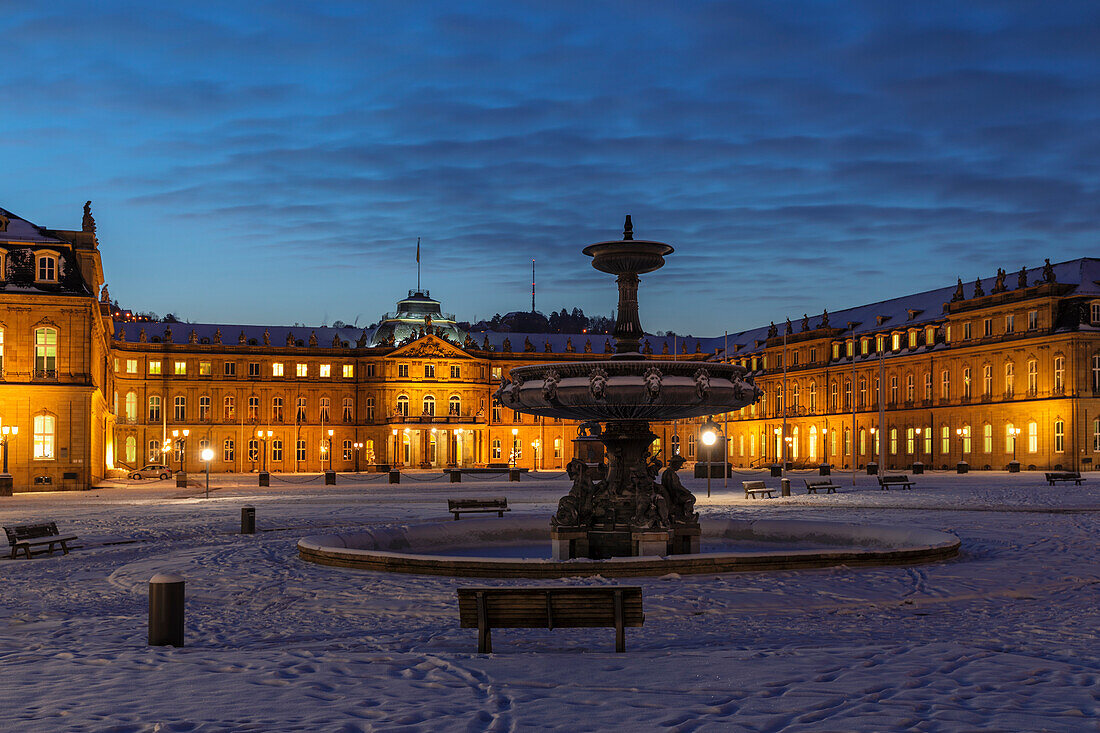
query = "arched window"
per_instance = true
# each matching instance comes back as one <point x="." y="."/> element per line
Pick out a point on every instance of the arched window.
<point x="910" y="388"/>
<point x="131" y="407"/>
<point x="862" y="441"/>
<point x="349" y="409"/>
<point x="847" y="441"/>
<point x="131" y="450"/>
<point x="966" y="439"/>
<point x="862" y="393"/>
<point x="324" y="409"/>
<point x="429" y="404"/>
<point x="794" y="396"/>
<point x="1033" y="374"/>
<point x="300" y="413"/>
<point x="987" y="438"/>
<point x="847" y="394"/>
<point x="811" y="449"/>
<point x="752" y="444"/>
<point x="47" y="268"/>
<point x="1059" y="373"/>
<point x="403" y="405"/>
<point x="893" y="441"/>
<point x="832" y="397"/>
<point x="1010" y="378"/>
<point x="691" y="445"/>
<point x="794" y="443"/>
<point x="45" y="353"/>
<point x="557" y="447"/>
<point x="813" y="396"/>
<point x="454" y="405"/>
<point x="910" y="442"/>
<point x="675" y="445"/>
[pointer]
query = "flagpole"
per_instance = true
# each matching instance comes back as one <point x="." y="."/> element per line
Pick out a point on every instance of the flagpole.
<point x="418" y="264"/>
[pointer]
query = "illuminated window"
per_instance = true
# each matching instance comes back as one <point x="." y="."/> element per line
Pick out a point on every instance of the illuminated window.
<point x="966" y="382"/>
<point x="156" y="455"/>
<point x="930" y="336"/>
<point x="1010" y="378"/>
<point x="557" y="446"/>
<point x="429" y="405"/>
<point x="131" y="450"/>
<point x="1059" y="436"/>
<point x="45" y="352"/>
<point x="1032" y="320"/>
<point x="179" y="368"/>
<point x="131" y="407"/>
<point x="893" y="441"/>
<point x="154" y="408"/>
<point x="277" y="369"/>
<point x="454" y="405"/>
<point x="301" y="370"/>
<point x="205" y="368"/>
<point x="349" y="371"/>
<point x="895" y="341"/>
<point x="131" y="366"/>
<point x="325" y="370"/>
<point x="44" y="430"/>
<point x="987" y="380"/>
<point x="1059" y="373"/>
<point x="910" y="388"/>
<point x="987" y="438"/>
<point x="403" y="405"/>
<point x="455" y="372"/>
<point x="229" y="408"/>
<point x="945" y="440"/>
<point x="1032" y="437"/>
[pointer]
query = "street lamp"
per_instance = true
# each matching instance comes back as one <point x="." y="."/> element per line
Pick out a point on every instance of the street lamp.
<point x="7" y="432"/>
<point x="1012" y="430"/>
<point x="395" y="456"/>
<point x="328" y="450"/>
<point x="515" y="443"/>
<point x="458" y="447"/>
<point x="357" y="445"/>
<point x="708" y="436"/>
<point x="181" y="444"/>
<point x="207" y="456"/>
<point x="264" y="436"/>
<point x="535" y="445"/>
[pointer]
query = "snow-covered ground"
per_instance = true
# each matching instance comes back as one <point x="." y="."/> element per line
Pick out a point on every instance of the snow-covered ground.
<point x="1002" y="638"/>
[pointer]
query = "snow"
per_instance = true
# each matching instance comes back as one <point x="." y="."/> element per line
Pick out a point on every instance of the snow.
<point x="1002" y="638"/>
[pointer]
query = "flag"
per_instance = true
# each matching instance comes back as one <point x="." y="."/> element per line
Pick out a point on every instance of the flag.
<point x="418" y="250"/>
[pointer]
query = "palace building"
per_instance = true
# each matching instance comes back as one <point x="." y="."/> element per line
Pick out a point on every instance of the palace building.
<point x="953" y="374"/>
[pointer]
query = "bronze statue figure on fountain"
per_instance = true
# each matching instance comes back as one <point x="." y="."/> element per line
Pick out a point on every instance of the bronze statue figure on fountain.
<point x="681" y="501"/>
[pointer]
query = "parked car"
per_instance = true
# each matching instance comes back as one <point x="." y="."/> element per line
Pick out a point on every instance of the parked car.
<point x="153" y="470"/>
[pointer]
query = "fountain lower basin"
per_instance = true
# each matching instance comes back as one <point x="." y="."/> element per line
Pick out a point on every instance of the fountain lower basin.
<point x="501" y="548"/>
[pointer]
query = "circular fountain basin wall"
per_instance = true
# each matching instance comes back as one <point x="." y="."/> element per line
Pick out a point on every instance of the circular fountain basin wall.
<point x="482" y="548"/>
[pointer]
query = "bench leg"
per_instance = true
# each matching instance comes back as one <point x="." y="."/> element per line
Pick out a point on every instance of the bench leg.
<point x="620" y="623"/>
<point x="64" y="547"/>
<point x="484" y="633"/>
<point x="500" y="514"/>
<point x="456" y="516"/>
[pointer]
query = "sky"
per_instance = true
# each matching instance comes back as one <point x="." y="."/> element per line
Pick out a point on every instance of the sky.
<point x="275" y="162"/>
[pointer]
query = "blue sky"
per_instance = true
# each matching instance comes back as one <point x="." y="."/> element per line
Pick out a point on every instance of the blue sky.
<point x="274" y="163"/>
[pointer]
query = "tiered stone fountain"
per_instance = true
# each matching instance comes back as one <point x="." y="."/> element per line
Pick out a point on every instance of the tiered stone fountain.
<point x="626" y="511"/>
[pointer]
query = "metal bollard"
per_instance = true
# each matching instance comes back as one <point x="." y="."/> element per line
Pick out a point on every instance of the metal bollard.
<point x="513" y="474"/>
<point x="962" y="467"/>
<point x="395" y="477"/>
<point x="330" y="478"/>
<point x="265" y="478"/>
<point x="248" y="520"/>
<point x="456" y="477"/>
<point x="166" y="610"/>
<point x="784" y="487"/>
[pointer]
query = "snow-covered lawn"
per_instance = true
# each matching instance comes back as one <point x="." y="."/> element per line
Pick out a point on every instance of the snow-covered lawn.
<point x="1003" y="638"/>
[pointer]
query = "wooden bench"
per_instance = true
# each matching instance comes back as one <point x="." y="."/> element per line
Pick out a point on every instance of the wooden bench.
<point x="902" y="482"/>
<point x="812" y="487"/>
<point x="615" y="607"/>
<point x="24" y="537"/>
<point x="478" y="506"/>
<point x="1073" y="476"/>
<point x="752" y="488"/>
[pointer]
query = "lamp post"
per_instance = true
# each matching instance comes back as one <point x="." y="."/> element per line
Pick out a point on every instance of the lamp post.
<point x="964" y="437"/>
<point x="535" y="445"/>
<point x="874" y="449"/>
<point x="515" y="443"/>
<point x="357" y="445"/>
<point x="394" y="431"/>
<point x="458" y="447"/>
<point x="7" y="432"/>
<point x="264" y="436"/>
<point x="181" y="444"/>
<point x="708" y="436"/>
<point x="207" y="456"/>
<point x="1012" y="430"/>
<point x="329" y="450"/>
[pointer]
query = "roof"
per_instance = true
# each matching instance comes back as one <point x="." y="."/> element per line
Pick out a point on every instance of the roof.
<point x="21" y="230"/>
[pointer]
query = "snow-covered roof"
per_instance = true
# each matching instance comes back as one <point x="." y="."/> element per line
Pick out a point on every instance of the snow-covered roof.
<point x="21" y="230"/>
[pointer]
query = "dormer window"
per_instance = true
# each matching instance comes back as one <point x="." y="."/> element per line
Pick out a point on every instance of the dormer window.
<point x="47" y="267"/>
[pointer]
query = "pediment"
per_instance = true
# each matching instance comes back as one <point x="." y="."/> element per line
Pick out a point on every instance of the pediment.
<point x="429" y="347"/>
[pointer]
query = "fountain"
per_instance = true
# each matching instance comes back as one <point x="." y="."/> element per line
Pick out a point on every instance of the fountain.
<point x="625" y="511"/>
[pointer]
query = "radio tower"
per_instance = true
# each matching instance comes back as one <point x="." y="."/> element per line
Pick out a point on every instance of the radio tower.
<point x="532" y="285"/>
